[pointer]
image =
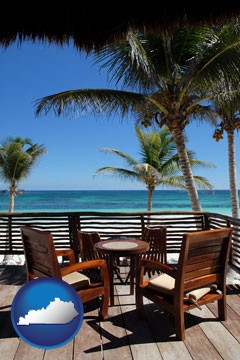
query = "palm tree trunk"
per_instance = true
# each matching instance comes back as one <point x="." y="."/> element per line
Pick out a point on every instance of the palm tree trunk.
<point x="186" y="169"/>
<point x="232" y="174"/>
<point x="11" y="202"/>
<point x="9" y="259"/>
<point x="150" y="194"/>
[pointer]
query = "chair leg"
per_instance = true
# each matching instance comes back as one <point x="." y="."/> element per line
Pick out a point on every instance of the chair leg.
<point x="222" y="312"/>
<point x="139" y="303"/>
<point x="104" y="307"/>
<point x="179" y="324"/>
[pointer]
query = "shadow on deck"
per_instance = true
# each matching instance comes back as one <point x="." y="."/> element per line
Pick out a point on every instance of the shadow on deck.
<point x="123" y="334"/>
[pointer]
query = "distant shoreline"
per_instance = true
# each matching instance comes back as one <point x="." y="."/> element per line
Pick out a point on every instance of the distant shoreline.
<point x="144" y="190"/>
<point x="217" y="201"/>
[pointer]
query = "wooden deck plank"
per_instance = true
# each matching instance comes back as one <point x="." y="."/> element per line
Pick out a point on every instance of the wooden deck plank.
<point x="8" y="348"/>
<point x="195" y="338"/>
<point x="28" y="352"/>
<point x="174" y="350"/>
<point x="114" y="334"/>
<point x="125" y="336"/>
<point x="192" y="347"/>
<point x="160" y="329"/>
<point x="231" y="314"/>
<point x="62" y="353"/>
<point x="227" y="346"/>
<point x="18" y="349"/>
<point x="7" y="295"/>
<point x="232" y="323"/>
<point x="234" y="302"/>
<point x="198" y="344"/>
<point x="9" y="340"/>
<point x="161" y="325"/>
<point x="141" y="340"/>
<point x="89" y="336"/>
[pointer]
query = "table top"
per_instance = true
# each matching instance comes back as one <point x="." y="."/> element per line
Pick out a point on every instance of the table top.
<point x="121" y="247"/>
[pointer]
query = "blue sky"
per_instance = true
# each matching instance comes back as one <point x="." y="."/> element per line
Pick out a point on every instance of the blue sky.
<point x="34" y="70"/>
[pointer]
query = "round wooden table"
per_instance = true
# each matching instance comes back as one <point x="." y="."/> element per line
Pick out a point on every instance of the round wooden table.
<point x="129" y="247"/>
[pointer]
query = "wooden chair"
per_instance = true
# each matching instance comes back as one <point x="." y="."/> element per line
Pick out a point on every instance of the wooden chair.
<point x="157" y="239"/>
<point x="87" y="240"/>
<point x="200" y="277"/>
<point x="41" y="259"/>
<point x="86" y="245"/>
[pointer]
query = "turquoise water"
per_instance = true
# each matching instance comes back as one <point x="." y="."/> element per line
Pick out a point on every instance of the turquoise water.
<point x="114" y="200"/>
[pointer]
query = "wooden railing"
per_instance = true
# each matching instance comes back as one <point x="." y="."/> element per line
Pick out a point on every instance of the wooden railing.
<point x="64" y="226"/>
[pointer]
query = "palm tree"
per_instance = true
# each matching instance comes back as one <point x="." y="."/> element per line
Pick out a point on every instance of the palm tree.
<point x="17" y="157"/>
<point x="159" y="164"/>
<point x="173" y="76"/>
<point x="230" y="121"/>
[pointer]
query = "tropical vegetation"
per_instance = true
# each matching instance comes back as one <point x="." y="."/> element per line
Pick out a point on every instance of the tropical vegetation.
<point x="159" y="163"/>
<point x="171" y="78"/>
<point x="230" y="122"/>
<point x="17" y="158"/>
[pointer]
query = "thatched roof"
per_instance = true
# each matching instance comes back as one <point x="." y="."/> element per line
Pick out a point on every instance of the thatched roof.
<point x="91" y="25"/>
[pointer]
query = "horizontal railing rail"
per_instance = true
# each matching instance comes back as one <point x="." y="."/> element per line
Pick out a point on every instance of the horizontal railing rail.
<point x="64" y="226"/>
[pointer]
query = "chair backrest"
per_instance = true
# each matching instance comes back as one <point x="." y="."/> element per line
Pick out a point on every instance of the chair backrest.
<point x="40" y="255"/>
<point x="86" y="245"/>
<point x="157" y="239"/>
<point x="203" y="259"/>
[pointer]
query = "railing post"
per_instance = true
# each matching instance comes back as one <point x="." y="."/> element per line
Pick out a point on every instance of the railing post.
<point x="205" y="222"/>
<point x="73" y="228"/>
<point x="142" y="223"/>
<point x="9" y="233"/>
<point x="231" y="248"/>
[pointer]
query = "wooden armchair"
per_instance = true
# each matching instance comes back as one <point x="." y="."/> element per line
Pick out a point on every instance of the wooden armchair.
<point x="157" y="239"/>
<point x="41" y="259"/>
<point x="200" y="277"/>
<point x="87" y="240"/>
<point x="86" y="245"/>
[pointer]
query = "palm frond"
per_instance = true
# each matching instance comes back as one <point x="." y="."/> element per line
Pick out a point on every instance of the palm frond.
<point x="129" y="159"/>
<point x="83" y="101"/>
<point x="202" y="183"/>
<point x="17" y="157"/>
<point x="159" y="163"/>
<point x="122" y="173"/>
<point x="195" y="163"/>
<point x="219" y="56"/>
<point x="176" y="182"/>
<point x="129" y="62"/>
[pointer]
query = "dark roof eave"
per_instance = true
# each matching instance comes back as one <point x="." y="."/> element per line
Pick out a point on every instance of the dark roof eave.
<point x="95" y="25"/>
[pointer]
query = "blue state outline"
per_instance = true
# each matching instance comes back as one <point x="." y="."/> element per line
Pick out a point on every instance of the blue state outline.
<point x="23" y="302"/>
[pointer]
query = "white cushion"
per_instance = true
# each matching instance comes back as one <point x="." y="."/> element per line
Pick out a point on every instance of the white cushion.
<point x="166" y="284"/>
<point x="194" y="295"/>
<point x="77" y="280"/>
<point x="162" y="283"/>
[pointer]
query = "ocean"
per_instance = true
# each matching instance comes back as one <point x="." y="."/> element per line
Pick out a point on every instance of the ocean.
<point x="115" y="200"/>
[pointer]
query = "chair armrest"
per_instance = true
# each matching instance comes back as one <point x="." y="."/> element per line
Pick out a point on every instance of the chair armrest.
<point x="157" y="265"/>
<point x="67" y="252"/>
<point x="100" y="263"/>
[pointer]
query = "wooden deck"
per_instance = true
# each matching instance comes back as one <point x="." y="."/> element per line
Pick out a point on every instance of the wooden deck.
<point x="123" y="335"/>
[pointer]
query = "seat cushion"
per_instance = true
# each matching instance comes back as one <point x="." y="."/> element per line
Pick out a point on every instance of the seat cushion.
<point x="162" y="283"/>
<point x="165" y="284"/>
<point x="77" y="280"/>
